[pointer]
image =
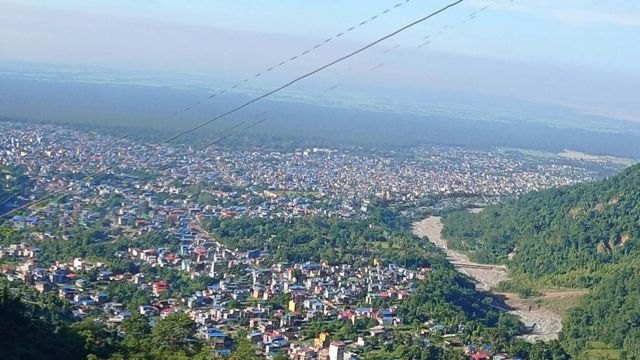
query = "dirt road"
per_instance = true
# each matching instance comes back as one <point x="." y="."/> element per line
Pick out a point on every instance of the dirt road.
<point x="545" y="324"/>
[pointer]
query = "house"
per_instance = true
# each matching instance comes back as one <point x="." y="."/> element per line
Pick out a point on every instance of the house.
<point x="377" y="331"/>
<point x="303" y="352"/>
<point x="255" y="337"/>
<point x="100" y="297"/>
<point x="42" y="286"/>
<point x="479" y="356"/>
<point x="160" y="287"/>
<point x="66" y="292"/>
<point x="385" y="317"/>
<point x="336" y="350"/>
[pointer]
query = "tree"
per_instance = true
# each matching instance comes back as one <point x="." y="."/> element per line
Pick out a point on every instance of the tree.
<point x="244" y="351"/>
<point x="173" y="333"/>
<point x="136" y="330"/>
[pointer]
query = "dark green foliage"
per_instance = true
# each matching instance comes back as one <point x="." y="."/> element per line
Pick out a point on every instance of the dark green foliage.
<point x="552" y="350"/>
<point x="557" y="231"/>
<point x="173" y="333"/>
<point x="581" y="236"/>
<point x="610" y="313"/>
<point x="24" y="335"/>
<point x="451" y="298"/>
<point x="335" y="240"/>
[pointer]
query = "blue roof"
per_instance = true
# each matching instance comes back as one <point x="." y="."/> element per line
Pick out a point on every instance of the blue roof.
<point x="24" y="219"/>
<point x="311" y="265"/>
<point x="216" y="334"/>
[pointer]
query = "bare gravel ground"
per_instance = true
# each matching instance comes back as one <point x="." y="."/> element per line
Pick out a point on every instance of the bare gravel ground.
<point x="486" y="276"/>
<point x="545" y="323"/>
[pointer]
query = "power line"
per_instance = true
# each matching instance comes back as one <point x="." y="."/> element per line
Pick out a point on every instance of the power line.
<point x="295" y="57"/>
<point x="428" y="38"/>
<point x="313" y="72"/>
<point x="17" y="190"/>
<point x="228" y="132"/>
<point x="54" y="194"/>
<point x="263" y="96"/>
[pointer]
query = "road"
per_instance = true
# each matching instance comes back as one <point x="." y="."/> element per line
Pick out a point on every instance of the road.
<point x="545" y="324"/>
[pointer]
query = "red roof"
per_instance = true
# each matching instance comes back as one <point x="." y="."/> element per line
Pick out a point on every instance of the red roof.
<point x="479" y="356"/>
<point x="346" y="314"/>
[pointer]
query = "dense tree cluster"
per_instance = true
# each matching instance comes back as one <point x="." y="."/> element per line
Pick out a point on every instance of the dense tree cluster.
<point x="33" y="330"/>
<point x="581" y="236"/>
<point x="383" y="235"/>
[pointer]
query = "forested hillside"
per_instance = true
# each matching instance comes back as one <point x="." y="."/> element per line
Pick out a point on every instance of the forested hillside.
<point x="586" y="236"/>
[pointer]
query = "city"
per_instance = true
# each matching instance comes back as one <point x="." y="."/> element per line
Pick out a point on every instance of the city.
<point x="174" y="202"/>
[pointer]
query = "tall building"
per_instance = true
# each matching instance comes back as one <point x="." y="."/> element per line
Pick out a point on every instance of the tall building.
<point x="212" y="272"/>
<point x="336" y="350"/>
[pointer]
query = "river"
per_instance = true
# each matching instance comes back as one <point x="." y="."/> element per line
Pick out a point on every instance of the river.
<point x="545" y="324"/>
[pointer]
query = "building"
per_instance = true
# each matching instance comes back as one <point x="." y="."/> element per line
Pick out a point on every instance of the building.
<point x="336" y="350"/>
<point x="322" y="341"/>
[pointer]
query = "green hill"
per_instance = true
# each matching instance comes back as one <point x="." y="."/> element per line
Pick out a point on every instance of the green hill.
<point x="585" y="236"/>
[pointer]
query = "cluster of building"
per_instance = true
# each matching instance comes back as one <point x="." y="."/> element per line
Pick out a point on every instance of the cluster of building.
<point x="243" y="294"/>
<point x="143" y="189"/>
<point x="272" y="183"/>
<point x="315" y="292"/>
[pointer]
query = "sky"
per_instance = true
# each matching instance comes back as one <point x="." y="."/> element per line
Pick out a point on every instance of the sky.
<point x="578" y="53"/>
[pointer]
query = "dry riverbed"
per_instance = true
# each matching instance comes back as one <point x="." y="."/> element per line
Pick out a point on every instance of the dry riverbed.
<point x="534" y="313"/>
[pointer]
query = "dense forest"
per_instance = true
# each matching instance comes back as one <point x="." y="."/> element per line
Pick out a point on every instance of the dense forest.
<point x="585" y="236"/>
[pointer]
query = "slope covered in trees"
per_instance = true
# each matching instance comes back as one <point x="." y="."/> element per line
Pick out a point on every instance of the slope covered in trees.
<point x="581" y="236"/>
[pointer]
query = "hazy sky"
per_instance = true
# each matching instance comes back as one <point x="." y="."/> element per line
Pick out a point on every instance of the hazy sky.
<point x="582" y="53"/>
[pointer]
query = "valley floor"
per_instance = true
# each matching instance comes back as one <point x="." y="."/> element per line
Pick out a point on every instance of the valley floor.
<point x="539" y="313"/>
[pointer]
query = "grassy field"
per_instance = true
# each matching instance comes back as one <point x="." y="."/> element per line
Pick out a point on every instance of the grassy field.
<point x="600" y="351"/>
<point x="526" y="152"/>
<point x="560" y="305"/>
